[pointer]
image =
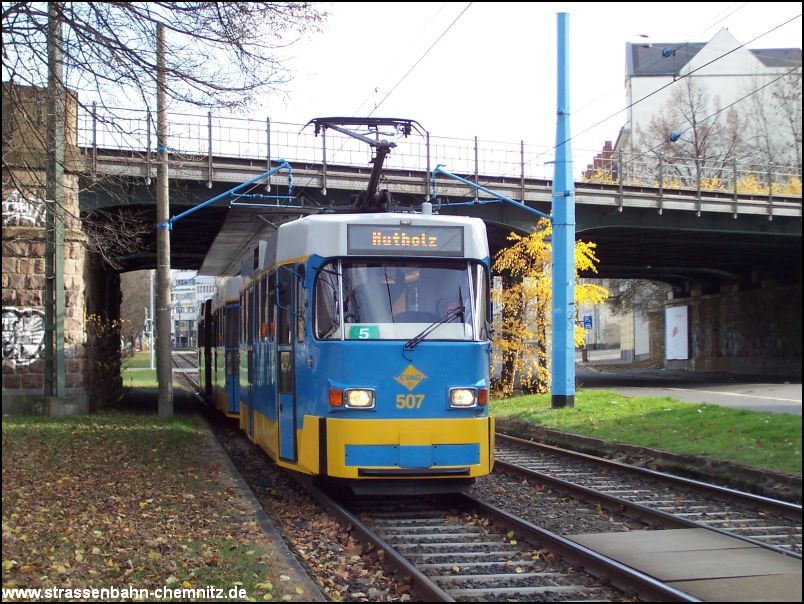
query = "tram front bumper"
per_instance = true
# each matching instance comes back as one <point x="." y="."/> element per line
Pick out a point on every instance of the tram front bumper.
<point x="361" y="448"/>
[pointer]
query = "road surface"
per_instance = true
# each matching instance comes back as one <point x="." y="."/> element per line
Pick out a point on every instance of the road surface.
<point x="603" y="372"/>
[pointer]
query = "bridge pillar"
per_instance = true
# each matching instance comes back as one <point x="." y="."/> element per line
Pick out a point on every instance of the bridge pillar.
<point x="23" y="245"/>
<point x="754" y="331"/>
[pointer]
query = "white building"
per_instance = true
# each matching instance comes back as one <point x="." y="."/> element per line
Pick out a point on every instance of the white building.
<point x="187" y="291"/>
<point x="719" y="85"/>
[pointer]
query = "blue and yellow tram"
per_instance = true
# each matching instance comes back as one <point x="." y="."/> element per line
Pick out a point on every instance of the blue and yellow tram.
<point x="364" y="349"/>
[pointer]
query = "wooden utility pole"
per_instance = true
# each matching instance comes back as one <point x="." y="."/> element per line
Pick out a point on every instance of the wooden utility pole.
<point x="164" y="369"/>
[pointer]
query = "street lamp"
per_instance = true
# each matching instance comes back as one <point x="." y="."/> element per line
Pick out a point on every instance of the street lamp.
<point x="675" y="137"/>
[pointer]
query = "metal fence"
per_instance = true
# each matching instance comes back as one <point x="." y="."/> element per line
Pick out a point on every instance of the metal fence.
<point x="698" y="174"/>
<point x="205" y="136"/>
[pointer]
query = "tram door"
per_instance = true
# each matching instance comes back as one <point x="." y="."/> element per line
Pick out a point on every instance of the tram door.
<point x="231" y="360"/>
<point x="250" y="327"/>
<point x="285" y="370"/>
<point x="207" y="346"/>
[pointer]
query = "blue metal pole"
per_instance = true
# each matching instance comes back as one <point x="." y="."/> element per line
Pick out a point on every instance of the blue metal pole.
<point x="500" y="197"/>
<point x="563" y="384"/>
<point x="283" y="165"/>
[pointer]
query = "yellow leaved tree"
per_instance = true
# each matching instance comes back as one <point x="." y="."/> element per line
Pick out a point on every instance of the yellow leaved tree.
<point x="525" y="300"/>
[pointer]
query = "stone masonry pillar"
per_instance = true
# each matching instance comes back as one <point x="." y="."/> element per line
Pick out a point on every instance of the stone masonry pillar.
<point x="23" y="246"/>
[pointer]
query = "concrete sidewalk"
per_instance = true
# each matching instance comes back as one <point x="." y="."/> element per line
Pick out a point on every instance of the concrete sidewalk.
<point x="608" y="355"/>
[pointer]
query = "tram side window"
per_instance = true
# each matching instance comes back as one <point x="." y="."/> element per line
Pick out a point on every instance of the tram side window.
<point x="263" y="327"/>
<point x="243" y="317"/>
<point x="480" y="285"/>
<point x="301" y="303"/>
<point x="255" y="308"/>
<point x="283" y="325"/>
<point x="271" y="301"/>
<point x="327" y="313"/>
<point x="231" y="319"/>
<point x="213" y="330"/>
<point x="250" y="311"/>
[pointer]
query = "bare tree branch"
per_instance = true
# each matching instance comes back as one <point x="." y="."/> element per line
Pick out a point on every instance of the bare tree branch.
<point x="220" y="54"/>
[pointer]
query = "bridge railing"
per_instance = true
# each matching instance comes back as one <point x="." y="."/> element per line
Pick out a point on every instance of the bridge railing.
<point x="195" y="137"/>
<point x="697" y="174"/>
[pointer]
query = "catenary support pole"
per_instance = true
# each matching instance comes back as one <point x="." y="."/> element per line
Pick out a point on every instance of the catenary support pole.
<point x="164" y="370"/>
<point x="54" y="217"/>
<point x="563" y="353"/>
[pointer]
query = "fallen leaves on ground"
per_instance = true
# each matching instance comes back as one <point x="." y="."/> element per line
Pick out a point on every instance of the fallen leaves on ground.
<point x="125" y="500"/>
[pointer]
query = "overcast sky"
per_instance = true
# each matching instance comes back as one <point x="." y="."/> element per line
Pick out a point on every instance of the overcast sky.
<point x="490" y="70"/>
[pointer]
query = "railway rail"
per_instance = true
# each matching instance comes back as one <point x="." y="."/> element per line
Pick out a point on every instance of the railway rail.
<point x="185" y="364"/>
<point x="462" y="549"/>
<point x="458" y="548"/>
<point x="659" y="498"/>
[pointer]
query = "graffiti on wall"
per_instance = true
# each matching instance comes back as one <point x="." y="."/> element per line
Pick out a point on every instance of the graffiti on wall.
<point x="23" y="334"/>
<point x="23" y="211"/>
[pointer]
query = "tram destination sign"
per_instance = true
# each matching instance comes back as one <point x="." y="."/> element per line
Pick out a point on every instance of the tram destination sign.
<point x="422" y="240"/>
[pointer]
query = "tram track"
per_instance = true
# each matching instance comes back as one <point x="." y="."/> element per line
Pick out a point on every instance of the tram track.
<point x="661" y="500"/>
<point x="185" y="363"/>
<point x="458" y="548"/>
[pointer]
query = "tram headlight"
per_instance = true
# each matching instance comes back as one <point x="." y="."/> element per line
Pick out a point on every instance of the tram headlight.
<point x="462" y="397"/>
<point x="359" y="398"/>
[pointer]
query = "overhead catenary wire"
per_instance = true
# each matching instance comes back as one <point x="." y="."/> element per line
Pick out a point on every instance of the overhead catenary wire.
<point x="661" y="58"/>
<point x="375" y="89"/>
<point x="683" y="76"/>
<point x="722" y="109"/>
<point x="410" y="70"/>
<point x="426" y="52"/>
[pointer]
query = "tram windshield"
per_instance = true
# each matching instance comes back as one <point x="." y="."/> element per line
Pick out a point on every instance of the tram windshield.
<point x="359" y="300"/>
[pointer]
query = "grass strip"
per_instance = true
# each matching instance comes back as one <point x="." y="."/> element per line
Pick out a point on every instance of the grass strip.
<point x="763" y="440"/>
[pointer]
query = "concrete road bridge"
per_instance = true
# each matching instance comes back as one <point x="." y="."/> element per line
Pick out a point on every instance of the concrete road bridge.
<point x="683" y="234"/>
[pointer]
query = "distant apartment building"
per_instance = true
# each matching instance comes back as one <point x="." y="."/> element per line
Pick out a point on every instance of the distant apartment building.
<point x="714" y="103"/>
<point x="722" y="84"/>
<point x="187" y="290"/>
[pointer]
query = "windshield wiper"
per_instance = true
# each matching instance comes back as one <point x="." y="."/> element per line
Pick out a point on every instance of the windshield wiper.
<point x="449" y="317"/>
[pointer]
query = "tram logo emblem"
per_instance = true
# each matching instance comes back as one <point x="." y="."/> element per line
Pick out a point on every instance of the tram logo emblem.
<point x="410" y="378"/>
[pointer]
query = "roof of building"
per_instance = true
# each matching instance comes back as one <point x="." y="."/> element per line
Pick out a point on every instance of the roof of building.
<point x="668" y="58"/>
<point x="779" y="57"/>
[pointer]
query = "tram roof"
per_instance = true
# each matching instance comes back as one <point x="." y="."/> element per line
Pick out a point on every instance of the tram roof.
<point x="321" y="234"/>
<point x="243" y="227"/>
